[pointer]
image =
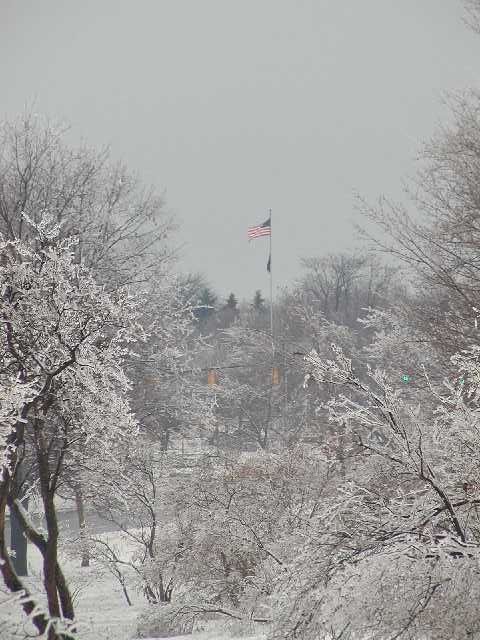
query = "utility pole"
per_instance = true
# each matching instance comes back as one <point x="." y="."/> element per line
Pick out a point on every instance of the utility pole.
<point x="285" y="388"/>
<point x="18" y="540"/>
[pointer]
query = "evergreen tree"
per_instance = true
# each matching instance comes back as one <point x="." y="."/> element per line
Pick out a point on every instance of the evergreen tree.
<point x="232" y="302"/>
<point x="206" y="306"/>
<point x="258" y="301"/>
<point x="229" y="312"/>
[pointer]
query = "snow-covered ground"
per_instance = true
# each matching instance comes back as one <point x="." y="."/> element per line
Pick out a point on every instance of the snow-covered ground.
<point x="101" y="608"/>
<point x="209" y="635"/>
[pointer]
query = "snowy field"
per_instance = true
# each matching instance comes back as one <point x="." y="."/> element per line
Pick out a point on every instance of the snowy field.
<point x="100" y="605"/>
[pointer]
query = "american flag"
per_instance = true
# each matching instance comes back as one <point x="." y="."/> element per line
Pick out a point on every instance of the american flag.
<point x="260" y="230"/>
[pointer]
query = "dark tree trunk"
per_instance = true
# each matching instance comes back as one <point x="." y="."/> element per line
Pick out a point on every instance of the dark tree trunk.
<point x="10" y="578"/>
<point x="58" y="594"/>
<point x="40" y="542"/>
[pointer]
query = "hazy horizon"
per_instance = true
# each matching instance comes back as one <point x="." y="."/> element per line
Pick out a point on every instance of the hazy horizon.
<point x="232" y="108"/>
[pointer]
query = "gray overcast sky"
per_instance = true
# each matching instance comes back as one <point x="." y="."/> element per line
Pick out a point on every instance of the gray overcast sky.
<point x="234" y="106"/>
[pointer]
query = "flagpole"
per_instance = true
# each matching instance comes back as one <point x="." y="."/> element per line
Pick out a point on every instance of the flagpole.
<point x="271" y="286"/>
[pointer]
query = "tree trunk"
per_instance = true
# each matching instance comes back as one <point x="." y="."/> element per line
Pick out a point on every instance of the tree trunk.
<point x="10" y="578"/>
<point x="40" y="542"/>
<point x="56" y="588"/>
<point x="50" y="555"/>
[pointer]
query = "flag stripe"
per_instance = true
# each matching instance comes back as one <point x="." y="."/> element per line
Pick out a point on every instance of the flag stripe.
<point x="260" y="230"/>
<point x="257" y="232"/>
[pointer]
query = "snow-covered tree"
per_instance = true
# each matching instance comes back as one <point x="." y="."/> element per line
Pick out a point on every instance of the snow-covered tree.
<point x="232" y="531"/>
<point x="121" y="225"/>
<point x="63" y="389"/>
<point x="393" y="551"/>
<point x="473" y="14"/>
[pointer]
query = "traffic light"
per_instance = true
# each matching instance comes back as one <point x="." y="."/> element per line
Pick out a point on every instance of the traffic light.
<point x="212" y="378"/>
<point x="275" y="375"/>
